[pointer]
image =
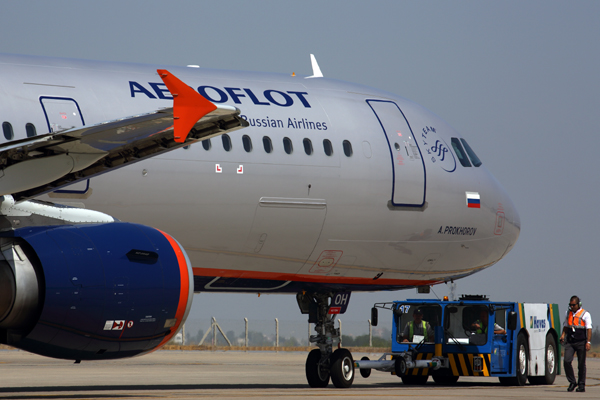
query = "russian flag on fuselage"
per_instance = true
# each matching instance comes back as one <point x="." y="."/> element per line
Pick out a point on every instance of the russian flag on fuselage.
<point x="473" y="200"/>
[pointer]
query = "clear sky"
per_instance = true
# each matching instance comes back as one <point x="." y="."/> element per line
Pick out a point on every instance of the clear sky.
<point x="518" y="79"/>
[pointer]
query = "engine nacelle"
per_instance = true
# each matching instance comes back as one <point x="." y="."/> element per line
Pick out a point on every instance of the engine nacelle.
<point x="91" y="292"/>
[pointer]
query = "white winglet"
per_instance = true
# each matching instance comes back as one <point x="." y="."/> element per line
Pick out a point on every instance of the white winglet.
<point x="315" y="67"/>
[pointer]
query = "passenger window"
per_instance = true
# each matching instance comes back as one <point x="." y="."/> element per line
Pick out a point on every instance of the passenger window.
<point x="347" y="148"/>
<point x="187" y="147"/>
<point x="206" y="144"/>
<point x="226" y="142"/>
<point x="460" y="153"/>
<point x="474" y="159"/>
<point x="8" y="130"/>
<point x="287" y="145"/>
<point x="267" y="144"/>
<point x="247" y="142"/>
<point x="327" y="147"/>
<point x="308" y="149"/>
<point x="30" y="129"/>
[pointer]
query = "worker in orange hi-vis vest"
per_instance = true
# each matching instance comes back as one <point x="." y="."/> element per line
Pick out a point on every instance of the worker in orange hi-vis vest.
<point x="577" y="329"/>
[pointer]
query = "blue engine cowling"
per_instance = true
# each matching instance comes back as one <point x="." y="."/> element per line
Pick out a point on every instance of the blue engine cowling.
<point x="91" y="292"/>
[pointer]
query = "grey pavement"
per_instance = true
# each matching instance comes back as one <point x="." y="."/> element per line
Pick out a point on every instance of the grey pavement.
<point x="232" y="375"/>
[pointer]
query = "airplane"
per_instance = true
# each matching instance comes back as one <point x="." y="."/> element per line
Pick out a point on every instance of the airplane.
<point x="228" y="181"/>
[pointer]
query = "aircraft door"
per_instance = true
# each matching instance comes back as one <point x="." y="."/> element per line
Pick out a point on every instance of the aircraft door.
<point x="408" y="183"/>
<point x="61" y="113"/>
<point x="500" y="358"/>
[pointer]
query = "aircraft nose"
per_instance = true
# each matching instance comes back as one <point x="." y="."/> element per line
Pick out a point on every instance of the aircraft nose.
<point x="515" y="221"/>
<point x="512" y="225"/>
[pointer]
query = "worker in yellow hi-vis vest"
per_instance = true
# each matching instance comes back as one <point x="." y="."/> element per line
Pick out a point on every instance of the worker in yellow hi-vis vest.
<point x="417" y="329"/>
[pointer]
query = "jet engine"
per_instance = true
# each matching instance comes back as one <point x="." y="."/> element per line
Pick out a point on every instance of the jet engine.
<point x="90" y="292"/>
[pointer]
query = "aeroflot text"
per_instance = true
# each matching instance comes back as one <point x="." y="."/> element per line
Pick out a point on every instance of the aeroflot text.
<point x="227" y="94"/>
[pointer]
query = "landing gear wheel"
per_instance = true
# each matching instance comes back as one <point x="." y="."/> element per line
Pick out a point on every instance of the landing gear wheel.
<point x="316" y="375"/>
<point x="414" y="379"/>
<point x="445" y="379"/>
<point x="342" y="368"/>
<point x="522" y="364"/>
<point x="550" y="362"/>
<point x="365" y="372"/>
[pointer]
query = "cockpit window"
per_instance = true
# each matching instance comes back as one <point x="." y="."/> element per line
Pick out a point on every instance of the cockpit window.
<point x="474" y="159"/>
<point x="460" y="153"/>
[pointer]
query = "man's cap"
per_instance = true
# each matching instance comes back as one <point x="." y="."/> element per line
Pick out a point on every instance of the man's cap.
<point x="418" y="311"/>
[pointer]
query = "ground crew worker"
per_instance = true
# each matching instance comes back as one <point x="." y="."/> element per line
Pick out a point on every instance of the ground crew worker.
<point x="417" y="327"/>
<point x="481" y="325"/>
<point x="577" y="329"/>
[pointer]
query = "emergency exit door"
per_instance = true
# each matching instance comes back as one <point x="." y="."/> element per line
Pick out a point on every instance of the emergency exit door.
<point x="408" y="169"/>
<point x="61" y="113"/>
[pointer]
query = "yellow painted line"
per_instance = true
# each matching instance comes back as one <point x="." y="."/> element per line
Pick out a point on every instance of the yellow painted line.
<point x="453" y="365"/>
<point x="426" y="370"/>
<point x="486" y="357"/>
<point x="521" y="315"/>
<point x="470" y="356"/>
<point x="461" y="358"/>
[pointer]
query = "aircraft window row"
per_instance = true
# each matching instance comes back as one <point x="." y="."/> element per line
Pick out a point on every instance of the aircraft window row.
<point x="464" y="152"/>
<point x="9" y="133"/>
<point x="288" y="147"/>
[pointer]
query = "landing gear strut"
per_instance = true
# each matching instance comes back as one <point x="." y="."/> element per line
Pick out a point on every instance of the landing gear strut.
<point x="323" y="363"/>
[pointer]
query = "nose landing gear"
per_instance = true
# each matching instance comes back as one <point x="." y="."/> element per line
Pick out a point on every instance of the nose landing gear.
<point x="323" y="363"/>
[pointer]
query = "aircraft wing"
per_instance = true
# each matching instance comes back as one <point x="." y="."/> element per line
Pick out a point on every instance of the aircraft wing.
<point x="41" y="164"/>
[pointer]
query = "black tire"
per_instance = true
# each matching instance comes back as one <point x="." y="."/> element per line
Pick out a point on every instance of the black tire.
<point x="506" y="381"/>
<point x="550" y="364"/>
<point x="342" y="368"/>
<point x="414" y="379"/>
<point x="400" y="367"/>
<point x="365" y="372"/>
<point x="316" y="375"/>
<point x="445" y="379"/>
<point x="522" y="360"/>
<point x="522" y="364"/>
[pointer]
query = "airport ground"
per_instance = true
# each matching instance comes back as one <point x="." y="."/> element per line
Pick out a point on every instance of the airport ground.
<point x="177" y="374"/>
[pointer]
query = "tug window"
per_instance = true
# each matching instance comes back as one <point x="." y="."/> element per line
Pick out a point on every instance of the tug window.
<point x="430" y="314"/>
<point x="467" y="324"/>
<point x="460" y="153"/>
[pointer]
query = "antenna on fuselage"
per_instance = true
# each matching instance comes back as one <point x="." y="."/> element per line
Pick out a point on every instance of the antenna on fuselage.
<point x="315" y="67"/>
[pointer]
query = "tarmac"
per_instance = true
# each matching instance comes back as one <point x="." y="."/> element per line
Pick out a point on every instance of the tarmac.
<point x="170" y="374"/>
